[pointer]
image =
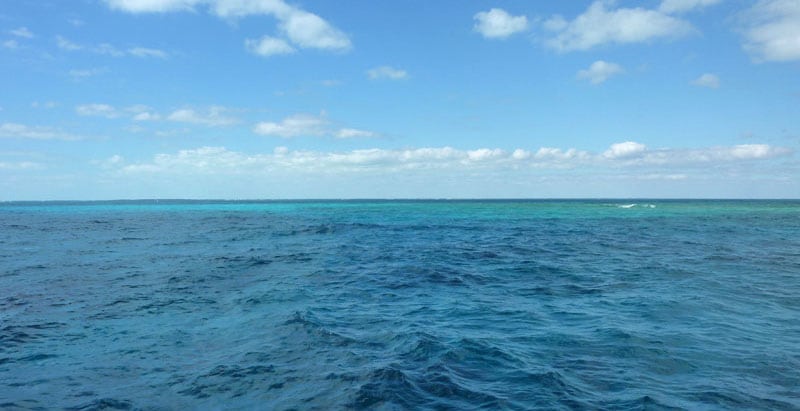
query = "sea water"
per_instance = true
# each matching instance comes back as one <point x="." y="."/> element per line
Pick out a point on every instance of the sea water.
<point x="400" y="305"/>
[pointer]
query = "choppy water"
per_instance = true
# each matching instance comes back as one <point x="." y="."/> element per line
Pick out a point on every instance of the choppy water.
<point x="400" y="305"/>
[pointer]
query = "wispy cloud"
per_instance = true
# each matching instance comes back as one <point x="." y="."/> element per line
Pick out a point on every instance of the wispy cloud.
<point x="602" y="24"/>
<point x="499" y="24"/>
<point x="20" y="165"/>
<point x="67" y="45"/>
<point x="84" y="73"/>
<point x="97" y="110"/>
<point x="44" y="104"/>
<point x="22" y="32"/>
<point x="308" y="125"/>
<point x="16" y="130"/>
<point x="110" y="50"/>
<point x="600" y="71"/>
<point x="214" y="116"/>
<point x="707" y="80"/>
<point x="683" y="6"/>
<point x="354" y="133"/>
<point x="294" y="126"/>
<point x="144" y="52"/>
<point x="771" y="30"/>
<point x="387" y="72"/>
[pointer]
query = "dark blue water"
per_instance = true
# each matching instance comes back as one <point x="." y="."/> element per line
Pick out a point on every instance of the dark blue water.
<point x="400" y="305"/>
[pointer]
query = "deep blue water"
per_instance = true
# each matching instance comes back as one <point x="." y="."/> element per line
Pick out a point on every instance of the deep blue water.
<point x="400" y="305"/>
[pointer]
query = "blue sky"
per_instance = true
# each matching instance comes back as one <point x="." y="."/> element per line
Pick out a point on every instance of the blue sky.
<point x="106" y="99"/>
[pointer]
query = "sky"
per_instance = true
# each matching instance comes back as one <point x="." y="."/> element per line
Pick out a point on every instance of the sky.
<point x="281" y="99"/>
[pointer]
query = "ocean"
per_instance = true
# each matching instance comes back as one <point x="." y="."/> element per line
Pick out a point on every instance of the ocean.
<point x="393" y="305"/>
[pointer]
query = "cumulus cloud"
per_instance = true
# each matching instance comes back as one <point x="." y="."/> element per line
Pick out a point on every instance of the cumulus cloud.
<point x="600" y="24"/>
<point x="16" y="130"/>
<point x="665" y="163"/>
<point x="387" y="72"/>
<point x="22" y="32"/>
<point x="498" y="23"/>
<point x="298" y="26"/>
<point x="771" y="30"/>
<point x="682" y="6"/>
<point x="268" y="46"/>
<point x="627" y="149"/>
<point x="707" y="80"/>
<point x="600" y="71"/>
<point x="310" y="31"/>
<point x="213" y="117"/>
<point x="98" y="110"/>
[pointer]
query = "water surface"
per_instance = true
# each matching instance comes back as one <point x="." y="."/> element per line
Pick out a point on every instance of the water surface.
<point x="400" y="304"/>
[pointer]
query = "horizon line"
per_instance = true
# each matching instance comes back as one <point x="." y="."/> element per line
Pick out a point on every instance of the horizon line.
<point x="406" y="199"/>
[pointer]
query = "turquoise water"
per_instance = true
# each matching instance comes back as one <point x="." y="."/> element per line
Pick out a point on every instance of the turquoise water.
<point x="607" y="304"/>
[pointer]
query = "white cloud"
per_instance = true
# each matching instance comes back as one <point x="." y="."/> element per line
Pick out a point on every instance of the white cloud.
<point x="707" y="80"/>
<point x="146" y="116"/>
<point x="302" y="28"/>
<point x="83" y="73"/>
<point x="20" y="165"/>
<point x="387" y="72"/>
<point x="486" y="154"/>
<point x="10" y="44"/>
<point x="751" y="151"/>
<point x="599" y="25"/>
<point x="628" y="160"/>
<point x="110" y="50"/>
<point x="663" y="164"/>
<point x="354" y="133"/>
<point x="141" y="112"/>
<point x="309" y="30"/>
<point x="15" y="130"/>
<point x="772" y="30"/>
<point x="98" y="110"/>
<point x="600" y="71"/>
<point x="268" y="46"/>
<point x="627" y="149"/>
<point x="214" y="116"/>
<point x="44" y="105"/>
<point x="308" y="125"/>
<point x="681" y="6"/>
<point x="147" y="52"/>
<point x="106" y="49"/>
<point x="497" y="23"/>
<point x="67" y="45"/>
<point x="152" y="6"/>
<point x="22" y="32"/>
<point x="294" y="126"/>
